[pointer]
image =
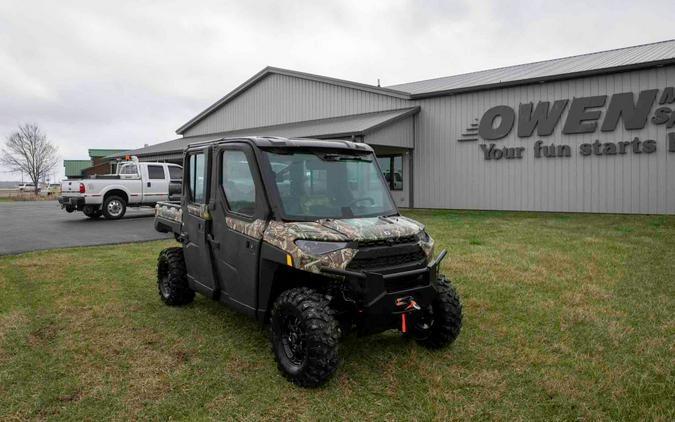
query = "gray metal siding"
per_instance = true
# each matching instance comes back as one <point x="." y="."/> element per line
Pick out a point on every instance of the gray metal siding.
<point x="279" y="99"/>
<point x="450" y="174"/>
<point x="397" y="134"/>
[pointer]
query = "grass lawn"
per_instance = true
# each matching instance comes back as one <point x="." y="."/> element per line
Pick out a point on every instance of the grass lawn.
<point x="27" y="197"/>
<point x="565" y="316"/>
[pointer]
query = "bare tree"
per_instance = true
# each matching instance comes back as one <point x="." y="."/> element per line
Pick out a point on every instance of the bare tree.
<point x="28" y="151"/>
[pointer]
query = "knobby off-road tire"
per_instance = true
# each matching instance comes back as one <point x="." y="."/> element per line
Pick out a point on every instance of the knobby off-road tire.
<point x="304" y="337"/>
<point x="447" y="317"/>
<point x="172" y="281"/>
<point x="114" y="207"/>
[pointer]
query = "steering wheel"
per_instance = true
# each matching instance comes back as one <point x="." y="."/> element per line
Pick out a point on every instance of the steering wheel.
<point x="356" y="201"/>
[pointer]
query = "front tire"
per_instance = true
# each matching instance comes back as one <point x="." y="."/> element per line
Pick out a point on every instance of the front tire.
<point x="304" y="337"/>
<point x="114" y="207"/>
<point x="445" y="320"/>
<point x="172" y="283"/>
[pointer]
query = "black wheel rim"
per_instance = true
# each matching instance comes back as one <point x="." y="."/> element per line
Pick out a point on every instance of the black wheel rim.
<point x="293" y="339"/>
<point x="425" y="325"/>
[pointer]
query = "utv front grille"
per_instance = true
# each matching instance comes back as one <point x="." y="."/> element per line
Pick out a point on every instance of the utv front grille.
<point x="387" y="258"/>
<point x="387" y="242"/>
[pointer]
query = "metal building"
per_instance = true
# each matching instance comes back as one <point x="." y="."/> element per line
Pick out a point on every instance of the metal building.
<point x="589" y="133"/>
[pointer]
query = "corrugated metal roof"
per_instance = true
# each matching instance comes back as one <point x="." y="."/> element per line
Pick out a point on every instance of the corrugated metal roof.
<point x="593" y="63"/>
<point x="73" y="168"/>
<point x="295" y="74"/>
<point x="104" y="152"/>
<point x="355" y="124"/>
<point x="600" y="62"/>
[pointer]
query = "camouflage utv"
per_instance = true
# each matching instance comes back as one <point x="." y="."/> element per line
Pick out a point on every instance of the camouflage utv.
<point x="303" y="234"/>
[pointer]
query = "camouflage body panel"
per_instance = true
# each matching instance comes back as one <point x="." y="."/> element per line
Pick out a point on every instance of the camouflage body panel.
<point x="374" y="228"/>
<point x="199" y="210"/>
<point x="170" y="212"/>
<point x="254" y="229"/>
<point x="427" y="247"/>
<point x="284" y="234"/>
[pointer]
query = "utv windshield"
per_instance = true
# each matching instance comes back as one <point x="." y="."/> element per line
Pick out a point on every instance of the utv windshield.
<point x="319" y="184"/>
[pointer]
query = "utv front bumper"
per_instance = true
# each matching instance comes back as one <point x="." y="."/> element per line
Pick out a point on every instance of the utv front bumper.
<point x="391" y="300"/>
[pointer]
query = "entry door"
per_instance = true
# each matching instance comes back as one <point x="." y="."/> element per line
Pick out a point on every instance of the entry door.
<point x="156" y="184"/>
<point x="196" y="223"/>
<point x="239" y="219"/>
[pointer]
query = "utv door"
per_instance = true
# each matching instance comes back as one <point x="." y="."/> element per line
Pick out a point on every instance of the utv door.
<point x="196" y="222"/>
<point x="240" y="211"/>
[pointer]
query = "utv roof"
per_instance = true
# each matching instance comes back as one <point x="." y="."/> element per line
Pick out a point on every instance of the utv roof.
<point x="278" y="142"/>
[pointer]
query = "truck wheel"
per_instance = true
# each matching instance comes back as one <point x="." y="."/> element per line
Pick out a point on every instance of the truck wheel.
<point x="172" y="278"/>
<point x="91" y="212"/>
<point x="114" y="207"/>
<point x="304" y="337"/>
<point x="445" y="321"/>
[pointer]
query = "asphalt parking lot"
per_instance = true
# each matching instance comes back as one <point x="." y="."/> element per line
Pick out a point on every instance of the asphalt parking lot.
<point x="35" y="225"/>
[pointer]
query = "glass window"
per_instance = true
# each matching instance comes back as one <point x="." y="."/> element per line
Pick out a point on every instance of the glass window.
<point x="175" y="173"/>
<point x="385" y="165"/>
<point x="197" y="181"/>
<point x="237" y="182"/>
<point x="397" y="172"/>
<point x="392" y="169"/>
<point x="321" y="184"/>
<point x="156" y="172"/>
<point x="129" y="169"/>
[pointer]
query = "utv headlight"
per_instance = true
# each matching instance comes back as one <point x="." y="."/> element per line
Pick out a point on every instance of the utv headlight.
<point x="423" y="236"/>
<point x="313" y="247"/>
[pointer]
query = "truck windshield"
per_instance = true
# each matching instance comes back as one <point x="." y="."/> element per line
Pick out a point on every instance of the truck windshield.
<point x="314" y="185"/>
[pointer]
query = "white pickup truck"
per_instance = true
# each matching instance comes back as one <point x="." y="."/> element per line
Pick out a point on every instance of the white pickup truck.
<point x="135" y="184"/>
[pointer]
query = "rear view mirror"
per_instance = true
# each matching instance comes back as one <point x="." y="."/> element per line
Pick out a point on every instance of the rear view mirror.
<point x="175" y="191"/>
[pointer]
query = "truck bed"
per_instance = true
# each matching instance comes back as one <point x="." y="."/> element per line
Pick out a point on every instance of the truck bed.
<point x="168" y="217"/>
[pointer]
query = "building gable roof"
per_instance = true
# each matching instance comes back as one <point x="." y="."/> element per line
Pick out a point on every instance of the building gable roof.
<point x="292" y="73"/>
<point x="622" y="59"/>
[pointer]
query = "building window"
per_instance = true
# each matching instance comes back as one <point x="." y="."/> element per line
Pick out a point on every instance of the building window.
<point x="392" y="169"/>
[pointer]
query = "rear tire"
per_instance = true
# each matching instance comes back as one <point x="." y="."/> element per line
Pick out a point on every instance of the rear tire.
<point x="446" y="320"/>
<point x="114" y="207"/>
<point x="91" y="212"/>
<point x="304" y="337"/>
<point x="172" y="283"/>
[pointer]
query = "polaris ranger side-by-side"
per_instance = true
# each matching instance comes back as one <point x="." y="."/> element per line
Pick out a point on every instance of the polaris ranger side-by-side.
<point x="303" y="234"/>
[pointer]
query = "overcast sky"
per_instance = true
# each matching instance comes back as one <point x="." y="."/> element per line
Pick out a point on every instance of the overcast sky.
<point x="122" y="74"/>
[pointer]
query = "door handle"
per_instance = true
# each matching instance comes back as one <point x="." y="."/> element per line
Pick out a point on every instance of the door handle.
<point x="213" y="241"/>
<point x="149" y="184"/>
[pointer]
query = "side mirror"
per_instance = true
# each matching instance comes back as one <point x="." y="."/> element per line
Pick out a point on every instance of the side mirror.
<point x="175" y="191"/>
